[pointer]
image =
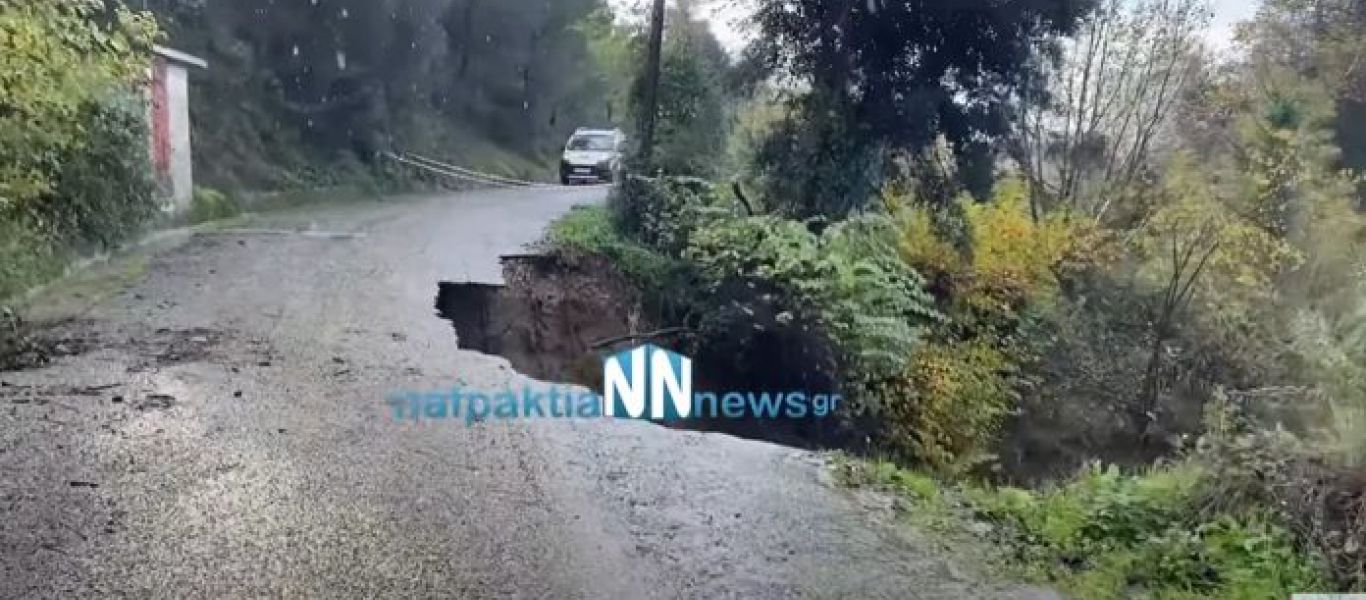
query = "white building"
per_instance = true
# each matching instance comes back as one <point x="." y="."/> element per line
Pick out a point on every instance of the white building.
<point x="172" y="159"/>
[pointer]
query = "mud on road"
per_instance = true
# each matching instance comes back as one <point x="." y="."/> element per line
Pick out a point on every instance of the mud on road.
<point x="218" y="429"/>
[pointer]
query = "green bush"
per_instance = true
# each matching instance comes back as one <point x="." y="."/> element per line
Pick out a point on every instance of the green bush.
<point x="104" y="191"/>
<point x="1276" y="472"/>
<point x="1334" y="355"/>
<point x="57" y="58"/>
<point x="1106" y="534"/>
<point x="27" y="258"/>
<point x="950" y="405"/>
<point x="209" y="204"/>
<point x="73" y="174"/>
<point x="870" y="303"/>
<point x="101" y="195"/>
<point x="663" y="213"/>
<point x="590" y="230"/>
<point x="755" y="285"/>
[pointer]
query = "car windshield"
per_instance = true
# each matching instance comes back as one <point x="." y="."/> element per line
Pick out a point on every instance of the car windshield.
<point x="592" y="143"/>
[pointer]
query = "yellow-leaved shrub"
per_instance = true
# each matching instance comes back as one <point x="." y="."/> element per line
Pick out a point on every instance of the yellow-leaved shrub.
<point x="954" y="398"/>
<point x="958" y="390"/>
<point x="1014" y="260"/>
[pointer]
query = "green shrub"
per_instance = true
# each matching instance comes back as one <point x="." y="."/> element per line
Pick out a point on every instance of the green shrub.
<point x="104" y="191"/>
<point x="58" y="57"/>
<point x="663" y="213"/>
<point x="590" y="230"/>
<point x="27" y="258"/>
<point x="841" y="301"/>
<point x="209" y="204"/>
<point x="871" y="304"/>
<point x="1107" y="534"/>
<point x="1334" y="355"/>
<point x="1274" y="472"/>
<point x="101" y="195"/>
<point x="73" y="173"/>
<point x="919" y="486"/>
<point x="1014" y="260"/>
<point x="953" y="399"/>
<point x="950" y="405"/>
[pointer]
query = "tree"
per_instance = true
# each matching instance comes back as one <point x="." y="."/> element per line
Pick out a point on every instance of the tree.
<point x="1322" y="41"/>
<point x="300" y="84"/>
<point x="1197" y="244"/>
<point x="650" y="83"/>
<point x="1085" y="137"/>
<point x="690" y="109"/>
<point x="896" y="74"/>
<point x="615" y="49"/>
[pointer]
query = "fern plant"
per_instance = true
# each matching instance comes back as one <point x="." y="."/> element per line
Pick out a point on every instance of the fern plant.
<point x="871" y="303"/>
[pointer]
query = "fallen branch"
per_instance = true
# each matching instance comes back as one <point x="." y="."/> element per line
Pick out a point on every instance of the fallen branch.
<point x="740" y="194"/>
<point x="636" y="337"/>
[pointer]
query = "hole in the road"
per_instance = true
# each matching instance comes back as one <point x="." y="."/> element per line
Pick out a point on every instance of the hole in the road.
<point x="551" y="319"/>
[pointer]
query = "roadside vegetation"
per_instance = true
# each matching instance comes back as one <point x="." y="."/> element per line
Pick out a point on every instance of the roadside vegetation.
<point x="1105" y="534"/>
<point x="1097" y="298"/>
<point x="300" y="101"/>
<point x="1095" y="292"/>
<point x="73" y="159"/>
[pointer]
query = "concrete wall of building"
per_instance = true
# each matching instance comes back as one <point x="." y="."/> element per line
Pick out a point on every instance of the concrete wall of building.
<point x="169" y="114"/>
<point x="182" y="158"/>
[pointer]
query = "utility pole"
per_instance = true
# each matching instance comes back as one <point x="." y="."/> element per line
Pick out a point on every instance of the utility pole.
<point x="647" y="126"/>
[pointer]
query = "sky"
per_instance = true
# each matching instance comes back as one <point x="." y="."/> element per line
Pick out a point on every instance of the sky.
<point x="726" y="15"/>
<point x="1228" y="13"/>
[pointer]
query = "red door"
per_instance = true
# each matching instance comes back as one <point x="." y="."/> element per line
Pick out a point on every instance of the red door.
<point x="161" y="124"/>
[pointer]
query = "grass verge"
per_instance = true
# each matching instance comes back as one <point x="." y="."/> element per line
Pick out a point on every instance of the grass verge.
<point x="27" y="259"/>
<point x="589" y="230"/>
<point x="1108" y="535"/>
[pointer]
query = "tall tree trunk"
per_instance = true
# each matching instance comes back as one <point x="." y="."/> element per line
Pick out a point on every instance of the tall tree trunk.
<point x="1145" y="415"/>
<point x="652" y="69"/>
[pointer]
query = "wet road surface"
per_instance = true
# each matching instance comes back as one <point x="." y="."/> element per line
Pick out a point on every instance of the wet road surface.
<point x="221" y="431"/>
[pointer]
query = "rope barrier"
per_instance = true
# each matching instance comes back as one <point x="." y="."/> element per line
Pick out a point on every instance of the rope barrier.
<point x="449" y="173"/>
<point x="471" y="172"/>
<point x="467" y="174"/>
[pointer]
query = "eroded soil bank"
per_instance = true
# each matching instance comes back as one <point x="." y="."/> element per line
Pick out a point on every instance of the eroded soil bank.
<point x="553" y="321"/>
<point x="557" y="318"/>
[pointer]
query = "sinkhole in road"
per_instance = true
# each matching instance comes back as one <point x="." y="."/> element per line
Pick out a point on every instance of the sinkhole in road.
<point x="555" y="320"/>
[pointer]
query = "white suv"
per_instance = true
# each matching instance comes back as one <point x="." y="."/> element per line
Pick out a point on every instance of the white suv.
<point x="592" y="155"/>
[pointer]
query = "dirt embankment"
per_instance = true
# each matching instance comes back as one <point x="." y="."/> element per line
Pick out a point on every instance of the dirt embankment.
<point x="554" y="320"/>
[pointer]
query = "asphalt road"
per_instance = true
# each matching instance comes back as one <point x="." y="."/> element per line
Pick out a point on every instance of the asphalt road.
<point x="220" y="431"/>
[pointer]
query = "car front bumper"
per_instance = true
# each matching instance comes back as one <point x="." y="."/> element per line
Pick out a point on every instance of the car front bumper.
<point x="570" y="172"/>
